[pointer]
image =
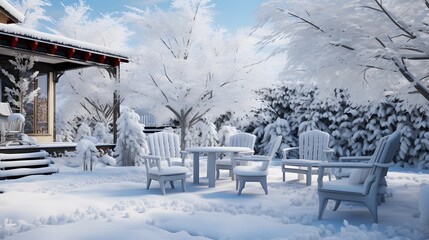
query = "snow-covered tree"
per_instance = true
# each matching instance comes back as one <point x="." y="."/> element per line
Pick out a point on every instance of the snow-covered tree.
<point x="373" y="48"/>
<point x="23" y="79"/>
<point x="224" y="133"/>
<point x="83" y="131"/>
<point x="88" y="93"/>
<point x="102" y="134"/>
<point x="203" y="133"/>
<point x="132" y="141"/>
<point x="87" y="153"/>
<point x="34" y="12"/>
<point x="196" y="71"/>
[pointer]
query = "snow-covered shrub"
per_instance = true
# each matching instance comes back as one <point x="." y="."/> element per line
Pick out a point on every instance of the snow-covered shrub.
<point x="132" y="141"/>
<point x="224" y="133"/>
<point x="354" y="129"/>
<point x="101" y="132"/>
<point x="278" y="128"/>
<point x="24" y="137"/>
<point x="65" y="136"/>
<point x="203" y="133"/>
<point x="82" y="131"/>
<point x="87" y="153"/>
<point x="108" y="160"/>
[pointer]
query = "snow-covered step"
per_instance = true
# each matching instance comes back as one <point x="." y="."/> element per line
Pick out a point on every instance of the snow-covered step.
<point x="23" y="164"/>
<point x="6" y="165"/>
<point x="21" y="172"/>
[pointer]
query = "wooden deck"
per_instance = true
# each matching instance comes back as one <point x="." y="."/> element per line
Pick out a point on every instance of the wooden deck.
<point x="51" y="148"/>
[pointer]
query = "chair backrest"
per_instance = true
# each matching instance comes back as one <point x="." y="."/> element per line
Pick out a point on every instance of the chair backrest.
<point x="275" y="144"/>
<point x="164" y="144"/>
<point x="387" y="148"/>
<point x="312" y="143"/>
<point x="242" y="140"/>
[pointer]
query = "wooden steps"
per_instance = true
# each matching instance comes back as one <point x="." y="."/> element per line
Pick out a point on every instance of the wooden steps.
<point x="24" y="164"/>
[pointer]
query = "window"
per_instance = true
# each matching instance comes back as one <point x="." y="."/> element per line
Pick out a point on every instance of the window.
<point x="36" y="119"/>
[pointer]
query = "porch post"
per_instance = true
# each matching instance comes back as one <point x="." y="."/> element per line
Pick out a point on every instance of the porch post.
<point x="116" y="103"/>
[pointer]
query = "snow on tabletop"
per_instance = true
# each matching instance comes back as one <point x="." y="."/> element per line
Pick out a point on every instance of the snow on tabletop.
<point x="10" y="9"/>
<point x="113" y="203"/>
<point x="16" y="29"/>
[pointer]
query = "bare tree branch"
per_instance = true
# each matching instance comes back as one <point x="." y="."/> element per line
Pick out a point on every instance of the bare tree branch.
<point x="168" y="47"/>
<point x="156" y="84"/>
<point x="396" y="22"/>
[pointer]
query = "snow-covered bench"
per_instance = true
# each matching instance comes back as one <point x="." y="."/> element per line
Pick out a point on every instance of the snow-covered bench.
<point x="24" y="164"/>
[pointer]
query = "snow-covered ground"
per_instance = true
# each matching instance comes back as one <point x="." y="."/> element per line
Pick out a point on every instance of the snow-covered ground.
<point x="112" y="203"/>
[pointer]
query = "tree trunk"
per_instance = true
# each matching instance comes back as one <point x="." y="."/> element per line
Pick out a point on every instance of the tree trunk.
<point x="183" y="131"/>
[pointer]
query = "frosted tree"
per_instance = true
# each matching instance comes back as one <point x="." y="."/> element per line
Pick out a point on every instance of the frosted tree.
<point x="374" y="48"/>
<point x="34" y="12"/>
<point x="83" y="131"/>
<point x="203" y="133"/>
<point x="102" y="134"/>
<point x="23" y="79"/>
<point x="132" y="142"/>
<point x="87" y="153"/>
<point x="224" y="133"/>
<point x="197" y="71"/>
<point x="88" y="93"/>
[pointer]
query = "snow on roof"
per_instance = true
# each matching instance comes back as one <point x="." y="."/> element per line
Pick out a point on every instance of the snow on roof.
<point x="11" y="10"/>
<point x="15" y="29"/>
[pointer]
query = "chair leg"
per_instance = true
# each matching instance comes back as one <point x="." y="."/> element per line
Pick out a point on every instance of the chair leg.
<point x="322" y="206"/>
<point x="242" y="184"/>
<point x="308" y="177"/>
<point x="172" y="184"/>
<point x="284" y="174"/>
<point x="337" y="204"/>
<point x="236" y="184"/>
<point x="263" y="182"/>
<point x="148" y="183"/>
<point x="217" y="173"/>
<point x="184" y="184"/>
<point x="162" y="186"/>
<point x="373" y="210"/>
<point x="231" y="174"/>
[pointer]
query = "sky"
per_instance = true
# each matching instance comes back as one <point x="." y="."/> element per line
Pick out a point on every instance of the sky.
<point x="229" y="14"/>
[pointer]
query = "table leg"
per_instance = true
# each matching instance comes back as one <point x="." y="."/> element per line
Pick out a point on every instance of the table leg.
<point x="196" y="167"/>
<point x="211" y="168"/>
<point x="308" y="179"/>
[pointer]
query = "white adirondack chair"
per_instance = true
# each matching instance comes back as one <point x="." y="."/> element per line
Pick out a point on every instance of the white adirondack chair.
<point x="162" y="174"/>
<point x="313" y="148"/>
<point x="166" y="145"/>
<point x="365" y="187"/>
<point x="258" y="173"/>
<point x="236" y="140"/>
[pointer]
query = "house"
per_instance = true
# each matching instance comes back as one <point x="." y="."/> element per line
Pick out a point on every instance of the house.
<point x="55" y="54"/>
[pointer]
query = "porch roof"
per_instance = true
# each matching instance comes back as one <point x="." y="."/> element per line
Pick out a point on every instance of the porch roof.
<point x="60" y="52"/>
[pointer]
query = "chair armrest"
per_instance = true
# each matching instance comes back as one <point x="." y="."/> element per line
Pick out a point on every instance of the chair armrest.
<point x="328" y="150"/>
<point x="354" y="159"/>
<point x="384" y="165"/>
<point x="253" y="158"/>
<point x="247" y="152"/>
<point x="183" y="155"/>
<point x="286" y="150"/>
<point x="345" y="165"/>
<point x="323" y="165"/>
<point x="147" y="158"/>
